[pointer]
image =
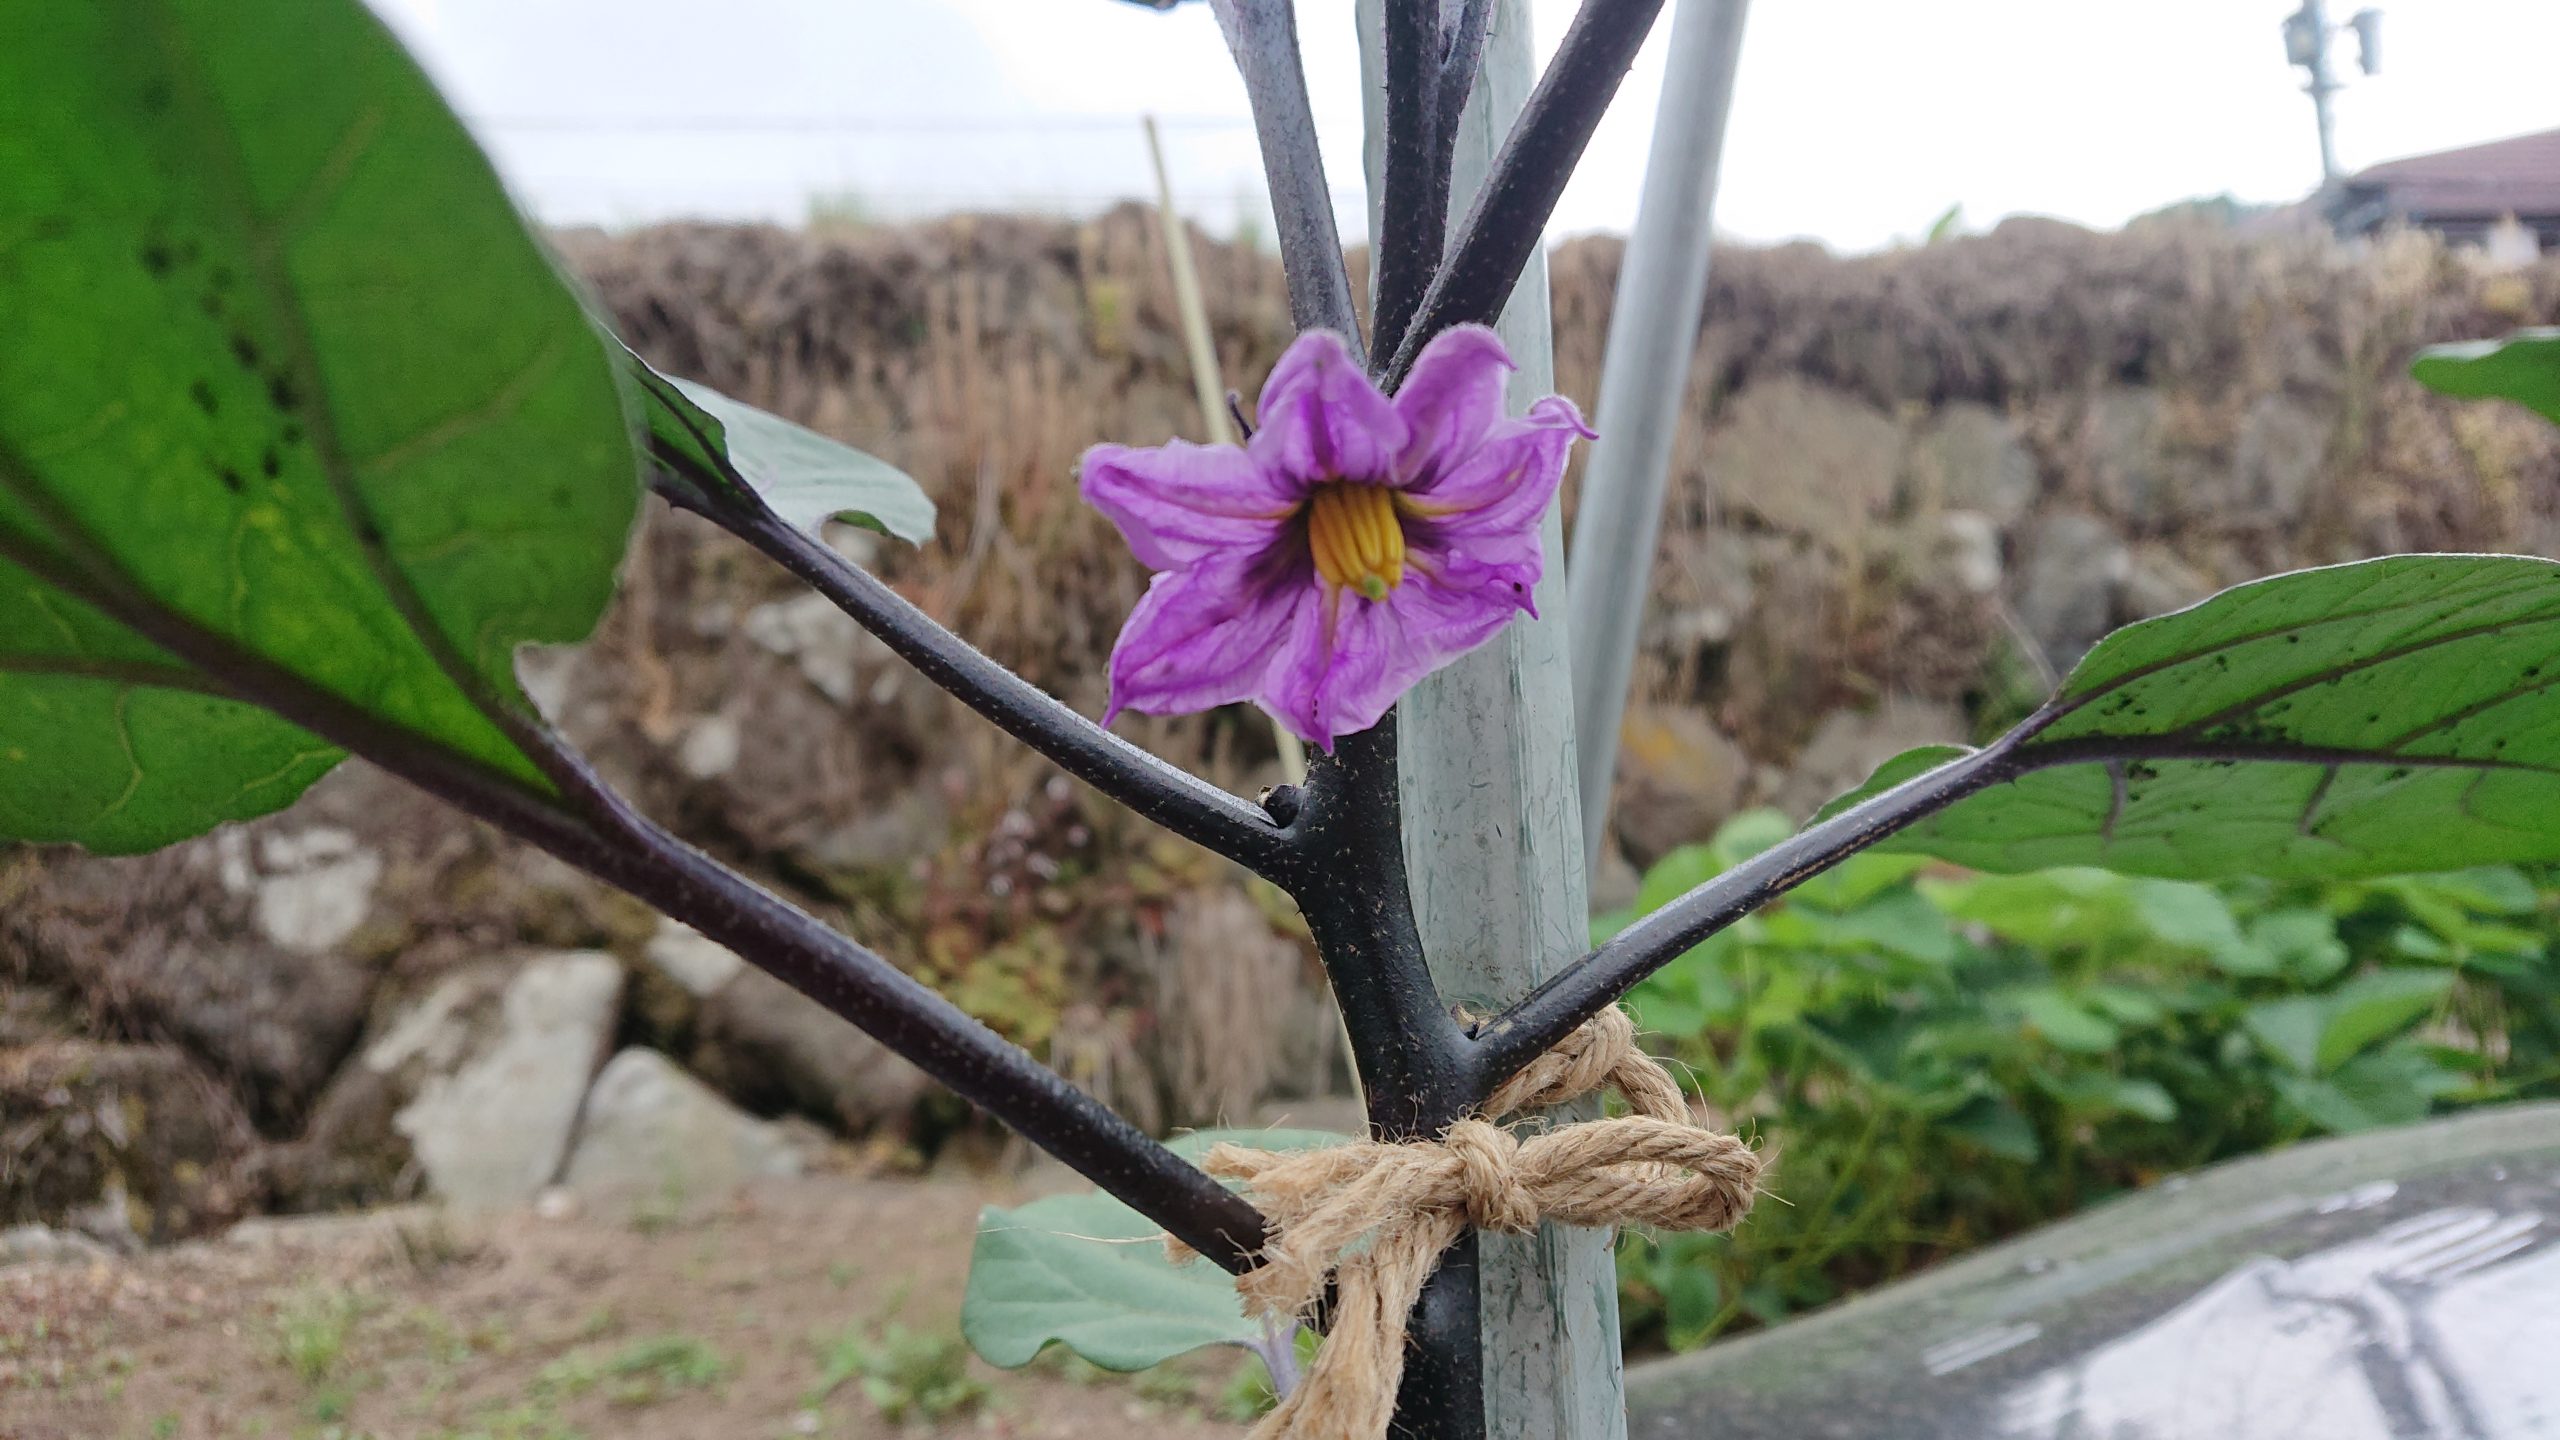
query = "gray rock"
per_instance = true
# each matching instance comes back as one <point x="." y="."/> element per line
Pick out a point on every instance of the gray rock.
<point x="655" y="1138"/>
<point x="1704" y="588"/>
<point x="30" y="1013"/>
<point x="1849" y="744"/>
<point x="772" y="1048"/>
<point x="44" y="1245"/>
<point x="831" y="651"/>
<point x="711" y="747"/>
<point x="1615" y="881"/>
<point x="887" y="837"/>
<point x="2278" y="457"/>
<point x="313" y="888"/>
<point x="1805" y="459"/>
<point x="2157" y="580"/>
<point x="1955" y="550"/>
<point x="131" y="1143"/>
<point x="1971" y="457"/>
<point x="2067" y="589"/>
<point x="2123" y="436"/>
<point x="1678" y="779"/>
<point x="494" y="1063"/>
<point x="696" y="963"/>
<point x="216" y="944"/>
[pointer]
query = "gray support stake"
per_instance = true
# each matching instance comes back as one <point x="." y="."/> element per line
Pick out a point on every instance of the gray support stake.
<point x="1653" y="333"/>
<point x="1491" y="825"/>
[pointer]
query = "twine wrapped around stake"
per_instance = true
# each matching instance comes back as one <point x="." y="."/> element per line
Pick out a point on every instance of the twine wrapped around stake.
<point x="1373" y="1218"/>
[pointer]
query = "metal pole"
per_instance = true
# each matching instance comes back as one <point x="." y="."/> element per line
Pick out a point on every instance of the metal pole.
<point x="1491" y="820"/>
<point x="1653" y="333"/>
<point x="2314" y="20"/>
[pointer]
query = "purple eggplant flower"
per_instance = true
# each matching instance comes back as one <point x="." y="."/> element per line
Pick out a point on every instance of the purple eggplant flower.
<point x="1352" y="546"/>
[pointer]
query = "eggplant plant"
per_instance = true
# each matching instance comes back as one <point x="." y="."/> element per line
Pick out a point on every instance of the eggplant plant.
<point x="303" y="436"/>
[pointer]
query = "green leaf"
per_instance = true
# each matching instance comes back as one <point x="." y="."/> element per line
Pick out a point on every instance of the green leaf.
<point x="1995" y="1123"/>
<point x="2524" y="367"/>
<point x="2065" y="1022"/>
<point x="2289" y="1029"/>
<point x="2100" y="1096"/>
<point x="1674" y="875"/>
<point x="2303" y="944"/>
<point x="286" y="381"/>
<point x="708" y="446"/>
<point x="2396" y="1086"/>
<point x="1089" y="1273"/>
<point x="1856" y="880"/>
<point x="2390" y="715"/>
<point x="2316" y="1034"/>
<point x="2185" y="916"/>
<point x="2370" y="1007"/>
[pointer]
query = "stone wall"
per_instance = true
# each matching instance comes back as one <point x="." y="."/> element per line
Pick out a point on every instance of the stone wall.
<point x="1911" y="488"/>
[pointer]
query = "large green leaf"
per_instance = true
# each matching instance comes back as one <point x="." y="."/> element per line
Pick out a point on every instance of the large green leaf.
<point x="1089" y="1273"/>
<point x="709" y="448"/>
<point x="2392" y="715"/>
<point x="286" y="376"/>
<point x="2316" y="1034"/>
<point x="2523" y="367"/>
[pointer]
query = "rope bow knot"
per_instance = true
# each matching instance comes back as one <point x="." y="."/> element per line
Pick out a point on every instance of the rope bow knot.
<point x="1373" y="1218"/>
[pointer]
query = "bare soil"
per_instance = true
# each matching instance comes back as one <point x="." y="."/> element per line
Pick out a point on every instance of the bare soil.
<point x="410" y="1323"/>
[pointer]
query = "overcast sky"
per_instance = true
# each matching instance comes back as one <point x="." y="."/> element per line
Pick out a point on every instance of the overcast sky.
<point x="1857" y="122"/>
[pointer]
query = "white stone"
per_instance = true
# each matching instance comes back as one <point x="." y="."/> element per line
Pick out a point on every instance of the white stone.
<point x="41" y="1245"/>
<point x="711" y="747"/>
<point x="828" y="645"/>
<point x="656" y="1137"/>
<point x="496" y="1096"/>
<point x="691" y="959"/>
<point x="315" y="889"/>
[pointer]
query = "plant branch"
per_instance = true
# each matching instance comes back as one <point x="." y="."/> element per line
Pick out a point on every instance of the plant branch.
<point x="1461" y="61"/>
<point x="616" y="845"/>
<point x="1413" y="208"/>
<point x="1349" y="879"/>
<point x="1510" y="214"/>
<point x="1263" y="34"/>
<point x="1174" y="798"/>
<point x="1547" y="1014"/>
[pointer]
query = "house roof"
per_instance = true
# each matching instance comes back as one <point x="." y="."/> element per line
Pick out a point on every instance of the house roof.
<point x="2518" y="176"/>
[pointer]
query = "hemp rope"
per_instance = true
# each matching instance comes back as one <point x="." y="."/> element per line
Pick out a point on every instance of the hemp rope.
<point x="1409" y="1202"/>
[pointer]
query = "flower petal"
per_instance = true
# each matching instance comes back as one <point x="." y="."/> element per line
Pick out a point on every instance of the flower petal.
<point x="1452" y="396"/>
<point x="1178" y="502"/>
<point x="1508" y="564"/>
<point x="1321" y="419"/>
<point x="1374" y="651"/>
<point x="1205" y="636"/>
<point x="1504" y="484"/>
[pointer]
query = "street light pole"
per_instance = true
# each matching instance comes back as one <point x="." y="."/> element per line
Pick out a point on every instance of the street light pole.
<point x="2306" y="44"/>
<point x="2315" y="20"/>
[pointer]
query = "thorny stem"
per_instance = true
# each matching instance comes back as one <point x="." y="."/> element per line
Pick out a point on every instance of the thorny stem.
<point x="1348" y="876"/>
<point x="590" y="827"/>
<point x="1263" y="34"/>
<point x="1510" y="214"/>
<point x="1174" y="798"/>
<point x="1547" y="1014"/>
<point x="1462" y="58"/>
<point x="1413" y="209"/>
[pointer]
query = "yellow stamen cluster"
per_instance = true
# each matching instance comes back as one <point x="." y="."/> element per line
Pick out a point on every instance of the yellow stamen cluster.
<point x="1357" y="539"/>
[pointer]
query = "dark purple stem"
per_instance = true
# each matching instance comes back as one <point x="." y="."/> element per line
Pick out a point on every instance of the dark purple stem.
<point x="1510" y="214"/>
<point x="1263" y="34"/>
<point x="1174" y="798"/>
